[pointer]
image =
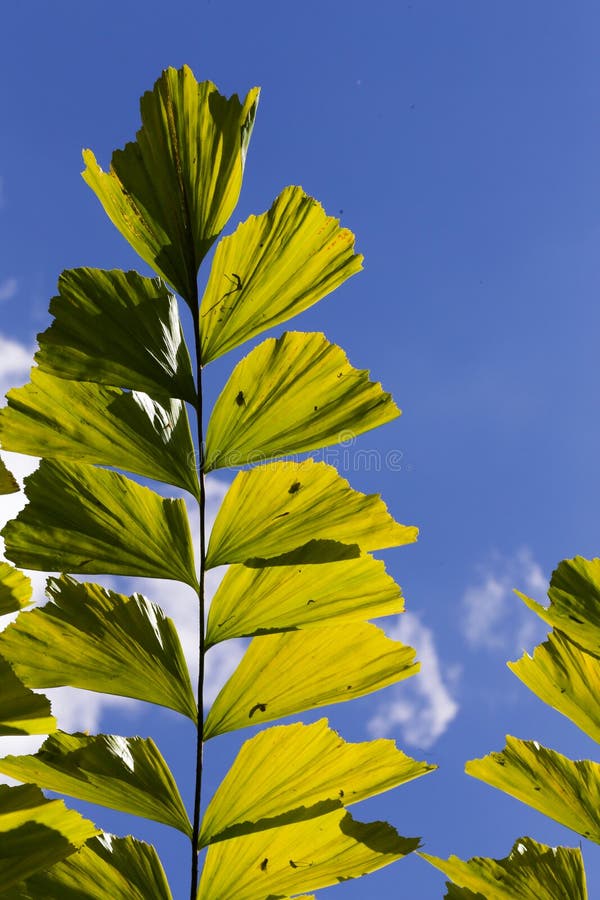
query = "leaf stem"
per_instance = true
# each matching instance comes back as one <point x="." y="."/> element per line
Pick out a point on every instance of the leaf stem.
<point x="201" y="600"/>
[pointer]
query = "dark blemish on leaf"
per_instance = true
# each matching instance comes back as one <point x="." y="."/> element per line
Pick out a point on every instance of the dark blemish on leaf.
<point x="315" y="408"/>
<point x="295" y="488"/>
<point x="341" y="793"/>
<point x="293" y="864"/>
<point x="263" y="865"/>
<point x="308" y="602"/>
<point x="349" y="687"/>
<point x="281" y="515"/>
<point x="262" y="707"/>
<point x="562" y="690"/>
<point x="240" y="399"/>
<point x="237" y="282"/>
<point x="537" y="788"/>
<point x="574" y="619"/>
<point x="339" y="375"/>
<point x="500" y="762"/>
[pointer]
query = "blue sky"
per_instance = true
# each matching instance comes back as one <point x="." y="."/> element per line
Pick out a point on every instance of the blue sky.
<point x="459" y="141"/>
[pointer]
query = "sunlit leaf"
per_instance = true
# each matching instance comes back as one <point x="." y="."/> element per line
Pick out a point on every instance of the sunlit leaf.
<point x="22" y="711"/>
<point x="105" y="867"/>
<point x="279" y="507"/>
<point x="271" y="268"/>
<point x="8" y="482"/>
<point x="15" y="589"/>
<point x="172" y="190"/>
<point x="286" y="673"/>
<point x="87" y="520"/>
<point x="574" y="594"/>
<point x="89" y="637"/>
<point x="276" y="598"/>
<point x="299" y="857"/>
<point x="294" y="772"/>
<point x="296" y="393"/>
<point x="127" y="774"/>
<point x="565" y="790"/>
<point x="119" y="329"/>
<point x="566" y="678"/>
<point x="90" y="423"/>
<point x="35" y="833"/>
<point x="531" y="871"/>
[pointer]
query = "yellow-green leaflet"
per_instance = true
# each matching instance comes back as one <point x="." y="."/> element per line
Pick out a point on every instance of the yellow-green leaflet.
<point x="93" y="638"/>
<point x="22" y="711"/>
<point x="15" y="589"/>
<point x="291" y="394"/>
<point x="280" y="507"/>
<point x="271" y="268"/>
<point x="294" y="772"/>
<point x="566" y="678"/>
<point x="253" y="601"/>
<point x="88" y="520"/>
<point x="35" y="832"/>
<point x="128" y="774"/>
<point x="120" y="329"/>
<point x="574" y="594"/>
<point x="299" y="857"/>
<point x="8" y="482"/>
<point x="106" y="868"/>
<point x="285" y="673"/>
<point x="89" y="423"/>
<point x="171" y="191"/>
<point x="531" y="871"/>
<point x="562" y="789"/>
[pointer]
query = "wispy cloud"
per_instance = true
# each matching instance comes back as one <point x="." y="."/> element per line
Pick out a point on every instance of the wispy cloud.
<point x="422" y="707"/>
<point x="493" y="618"/>
<point x="83" y="710"/>
<point x="8" y="289"/>
<point x="15" y="362"/>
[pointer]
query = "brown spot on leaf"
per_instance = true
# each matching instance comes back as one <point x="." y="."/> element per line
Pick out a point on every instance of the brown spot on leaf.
<point x="258" y="707"/>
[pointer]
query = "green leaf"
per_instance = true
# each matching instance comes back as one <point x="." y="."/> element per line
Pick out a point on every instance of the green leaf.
<point x="89" y="423"/>
<point x="127" y="774"/>
<point x="172" y="190"/>
<point x="280" y="507"/>
<point x="92" y="638"/>
<point x="531" y="871"/>
<point x="288" y="597"/>
<point x="15" y="589"/>
<point x="35" y="833"/>
<point x="299" y="857"/>
<point x="105" y="867"/>
<point x="562" y="789"/>
<point x="566" y="678"/>
<point x="271" y="268"/>
<point x="294" y="772"/>
<point x="120" y="329"/>
<point x="574" y="594"/>
<point x="286" y="673"/>
<point x="87" y="520"/>
<point x="291" y="394"/>
<point x="22" y="711"/>
<point x="8" y="482"/>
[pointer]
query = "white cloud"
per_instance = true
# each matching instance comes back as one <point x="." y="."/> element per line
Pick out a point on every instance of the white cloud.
<point x="15" y="363"/>
<point x="83" y="710"/>
<point x="8" y="289"/>
<point x="180" y="602"/>
<point x="421" y="707"/>
<point x="493" y="617"/>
